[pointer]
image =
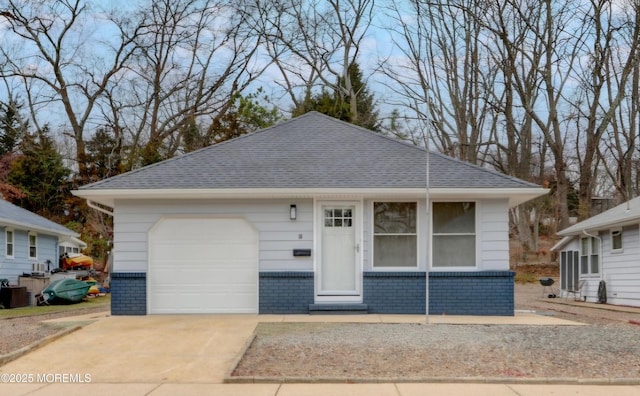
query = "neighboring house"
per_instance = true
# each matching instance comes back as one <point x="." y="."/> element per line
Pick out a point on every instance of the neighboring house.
<point x="309" y="215"/>
<point x="71" y="245"/>
<point x="26" y="239"/>
<point x="604" y="247"/>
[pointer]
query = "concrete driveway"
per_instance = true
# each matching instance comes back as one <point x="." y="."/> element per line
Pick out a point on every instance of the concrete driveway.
<point x="149" y="349"/>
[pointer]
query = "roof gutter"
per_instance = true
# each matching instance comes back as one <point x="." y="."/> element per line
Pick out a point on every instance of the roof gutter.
<point x="105" y="197"/>
<point x="95" y="206"/>
<point x="43" y="230"/>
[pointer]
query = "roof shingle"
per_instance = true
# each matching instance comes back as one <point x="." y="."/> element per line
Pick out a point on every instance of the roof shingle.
<point x="17" y="216"/>
<point x="310" y="151"/>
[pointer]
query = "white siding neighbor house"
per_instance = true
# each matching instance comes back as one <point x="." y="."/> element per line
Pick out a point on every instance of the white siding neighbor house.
<point x="603" y="250"/>
<point x="312" y="214"/>
<point x="27" y="239"/>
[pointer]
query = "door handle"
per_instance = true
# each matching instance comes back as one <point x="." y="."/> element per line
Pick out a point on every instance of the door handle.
<point x="358" y="247"/>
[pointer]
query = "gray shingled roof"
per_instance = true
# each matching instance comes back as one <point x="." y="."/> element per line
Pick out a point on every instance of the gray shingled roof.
<point x="310" y="151"/>
<point x="623" y="214"/>
<point x="16" y="216"/>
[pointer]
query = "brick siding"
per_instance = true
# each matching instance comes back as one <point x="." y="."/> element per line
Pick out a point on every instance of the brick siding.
<point x="128" y="293"/>
<point x="285" y="292"/>
<point x="450" y="293"/>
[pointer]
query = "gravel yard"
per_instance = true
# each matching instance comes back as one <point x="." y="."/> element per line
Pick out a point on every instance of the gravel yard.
<point x="608" y="348"/>
<point x="347" y="350"/>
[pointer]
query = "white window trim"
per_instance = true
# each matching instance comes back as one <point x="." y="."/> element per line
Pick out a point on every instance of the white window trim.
<point x="590" y="274"/>
<point x="475" y="267"/>
<point x="13" y="243"/>
<point x="29" y="235"/>
<point x="415" y="268"/>
<point x="621" y="249"/>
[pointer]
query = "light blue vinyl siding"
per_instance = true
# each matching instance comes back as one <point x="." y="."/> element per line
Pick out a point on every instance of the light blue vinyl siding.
<point x="278" y="235"/>
<point x="12" y="268"/>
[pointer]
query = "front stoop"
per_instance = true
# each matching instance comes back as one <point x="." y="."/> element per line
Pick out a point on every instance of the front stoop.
<point x="338" y="309"/>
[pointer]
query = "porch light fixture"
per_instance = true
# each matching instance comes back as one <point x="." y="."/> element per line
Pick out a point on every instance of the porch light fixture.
<point x="293" y="212"/>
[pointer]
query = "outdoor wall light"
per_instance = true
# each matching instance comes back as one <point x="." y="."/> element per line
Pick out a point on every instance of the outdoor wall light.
<point x="293" y="212"/>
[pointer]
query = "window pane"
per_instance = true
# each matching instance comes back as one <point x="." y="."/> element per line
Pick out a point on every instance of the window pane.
<point x="9" y="249"/>
<point x="395" y="251"/>
<point x="575" y="277"/>
<point x="584" y="264"/>
<point x="584" y="246"/>
<point x="394" y="217"/>
<point x="616" y="240"/>
<point x="454" y="217"/>
<point x="454" y="250"/>
<point x="594" y="264"/>
<point x="595" y="245"/>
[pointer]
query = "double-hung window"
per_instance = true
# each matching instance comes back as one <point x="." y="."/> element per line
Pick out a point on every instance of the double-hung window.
<point x="589" y="256"/>
<point x="395" y="235"/>
<point x="616" y="241"/>
<point x="454" y="234"/>
<point x="33" y="246"/>
<point x="9" y="243"/>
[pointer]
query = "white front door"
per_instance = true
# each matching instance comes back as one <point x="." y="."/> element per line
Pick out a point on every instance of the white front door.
<point x="339" y="267"/>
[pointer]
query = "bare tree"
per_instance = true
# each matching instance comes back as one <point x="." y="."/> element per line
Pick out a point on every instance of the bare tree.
<point x="615" y="132"/>
<point x="314" y="42"/>
<point x="192" y="58"/>
<point x="58" y="63"/>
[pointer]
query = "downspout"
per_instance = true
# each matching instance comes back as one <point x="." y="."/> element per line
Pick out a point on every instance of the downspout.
<point x="93" y="205"/>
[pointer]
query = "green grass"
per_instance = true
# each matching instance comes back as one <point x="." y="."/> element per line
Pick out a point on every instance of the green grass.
<point x="526" y="277"/>
<point x="94" y="302"/>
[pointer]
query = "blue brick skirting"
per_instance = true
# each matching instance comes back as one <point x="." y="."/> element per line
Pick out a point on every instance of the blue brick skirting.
<point x="285" y="292"/>
<point x="451" y="293"/>
<point x="128" y="293"/>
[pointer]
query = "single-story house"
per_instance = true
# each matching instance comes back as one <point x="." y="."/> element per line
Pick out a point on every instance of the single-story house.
<point x="71" y="245"/>
<point x="28" y="239"/>
<point x="605" y="247"/>
<point x="312" y="214"/>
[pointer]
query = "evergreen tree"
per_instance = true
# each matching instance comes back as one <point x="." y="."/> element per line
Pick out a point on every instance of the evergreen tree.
<point x="333" y="102"/>
<point x="103" y="155"/>
<point x="41" y="175"/>
<point x="12" y="127"/>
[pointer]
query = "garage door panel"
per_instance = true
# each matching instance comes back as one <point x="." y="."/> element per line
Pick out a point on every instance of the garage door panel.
<point x="203" y="266"/>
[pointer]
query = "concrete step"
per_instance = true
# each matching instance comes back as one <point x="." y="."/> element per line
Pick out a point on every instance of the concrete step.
<point x="338" y="309"/>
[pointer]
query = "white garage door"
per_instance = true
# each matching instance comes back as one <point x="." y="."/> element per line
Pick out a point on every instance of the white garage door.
<point x="200" y="265"/>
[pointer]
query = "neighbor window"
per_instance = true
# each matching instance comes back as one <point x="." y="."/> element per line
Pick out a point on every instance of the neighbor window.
<point x="33" y="246"/>
<point x="616" y="240"/>
<point x="589" y="256"/>
<point x="395" y="234"/>
<point x="454" y="234"/>
<point x="9" y="239"/>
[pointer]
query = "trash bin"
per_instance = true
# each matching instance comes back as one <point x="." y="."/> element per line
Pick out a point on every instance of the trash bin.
<point x="14" y="297"/>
